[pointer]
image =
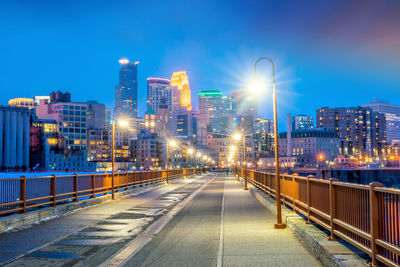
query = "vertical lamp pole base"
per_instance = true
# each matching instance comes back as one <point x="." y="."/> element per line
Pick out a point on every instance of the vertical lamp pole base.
<point x="279" y="226"/>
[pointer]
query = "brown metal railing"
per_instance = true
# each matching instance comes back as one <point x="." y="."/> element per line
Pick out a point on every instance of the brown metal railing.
<point x="367" y="216"/>
<point x="26" y="193"/>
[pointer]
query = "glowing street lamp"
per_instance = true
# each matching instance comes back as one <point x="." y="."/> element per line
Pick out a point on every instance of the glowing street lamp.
<point x="170" y="143"/>
<point x="257" y="86"/>
<point x="123" y="123"/>
<point x="237" y="137"/>
<point x="198" y="155"/>
<point x="188" y="152"/>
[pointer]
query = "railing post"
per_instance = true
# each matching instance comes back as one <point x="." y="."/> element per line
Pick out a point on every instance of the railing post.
<point x="308" y="197"/>
<point x="92" y="184"/>
<point x="167" y="177"/>
<point x="293" y="187"/>
<point x="332" y="206"/>
<point x="53" y="189"/>
<point x="23" y="193"/>
<point x="75" y="181"/>
<point x="245" y="179"/>
<point x="374" y="219"/>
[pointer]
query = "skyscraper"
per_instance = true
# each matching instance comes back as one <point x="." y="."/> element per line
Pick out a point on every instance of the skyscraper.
<point x="157" y="89"/>
<point x="214" y="113"/>
<point x="302" y="122"/>
<point x="392" y="115"/>
<point x="126" y="92"/>
<point x="181" y="96"/>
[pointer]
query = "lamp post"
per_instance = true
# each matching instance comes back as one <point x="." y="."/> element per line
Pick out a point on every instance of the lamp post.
<point x="279" y="223"/>
<point x="198" y="155"/>
<point x="170" y="143"/>
<point x="243" y="137"/>
<point x="122" y="123"/>
<point x="188" y="152"/>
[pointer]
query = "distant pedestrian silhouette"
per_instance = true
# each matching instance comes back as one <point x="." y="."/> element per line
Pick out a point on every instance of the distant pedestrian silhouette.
<point x="227" y="171"/>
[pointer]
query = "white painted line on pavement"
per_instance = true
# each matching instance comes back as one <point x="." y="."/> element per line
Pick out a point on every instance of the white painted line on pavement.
<point x="221" y="231"/>
<point x="133" y="247"/>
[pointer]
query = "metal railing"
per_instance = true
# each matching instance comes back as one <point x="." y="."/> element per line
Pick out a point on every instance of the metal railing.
<point x="27" y="193"/>
<point x="367" y="216"/>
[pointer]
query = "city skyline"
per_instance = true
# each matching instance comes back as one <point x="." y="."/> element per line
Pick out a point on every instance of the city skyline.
<point x="363" y="67"/>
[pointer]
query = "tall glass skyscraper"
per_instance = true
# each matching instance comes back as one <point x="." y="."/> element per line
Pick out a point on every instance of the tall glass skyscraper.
<point x="126" y="92"/>
<point x="158" y="89"/>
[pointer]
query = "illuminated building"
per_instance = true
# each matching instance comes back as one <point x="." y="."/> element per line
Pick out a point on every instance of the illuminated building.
<point x="22" y="102"/>
<point x="126" y="92"/>
<point x="392" y="116"/>
<point x="163" y="120"/>
<point x="100" y="142"/>
<point x="14" y="138"/>
<point x="306" y="145"/>
<point x="147" y="149"/>
<point x="362" y="130"/>
<point x="264" y="135"/>
<point x="71" y="118"/>
<point x="150" y="120"/>
<point x="158" y="89"/>
<point x="184" y="123"/>
<point x="181" y="96"/>
<point x="215" y="114"/>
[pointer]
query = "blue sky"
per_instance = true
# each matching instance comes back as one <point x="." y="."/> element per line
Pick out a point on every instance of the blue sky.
<point x="327" y="53"/>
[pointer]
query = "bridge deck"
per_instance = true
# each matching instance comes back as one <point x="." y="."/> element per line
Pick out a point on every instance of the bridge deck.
<point x="222" y="225"/>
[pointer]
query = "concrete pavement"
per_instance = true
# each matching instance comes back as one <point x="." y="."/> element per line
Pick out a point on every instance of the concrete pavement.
<point x="223" y="226"/>
<point x="218" y="224"/>
<point x="90" y="235"/>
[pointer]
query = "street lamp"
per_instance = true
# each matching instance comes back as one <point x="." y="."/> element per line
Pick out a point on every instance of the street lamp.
<point x="237" y="137"/>
<point x="170" y="143"/>
<point x="198" y="155"/>
<point x="123" y="123"/>
<point x="279" y="223"/>
<point x="188" y="152"/>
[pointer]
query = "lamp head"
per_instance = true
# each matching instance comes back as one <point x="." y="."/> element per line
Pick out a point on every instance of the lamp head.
<point x="123" y="122"/>
<point x="237" y="136"/>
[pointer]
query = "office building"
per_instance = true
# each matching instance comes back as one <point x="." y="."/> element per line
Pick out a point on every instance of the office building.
<point x="215" y="114"/>
<point x="307" y="145"/>
<point x="184" y="123"/>
<point x="362" y="131"/>
<point x="126" y="92"/>
<point x="302" y="122"/>
<point x="71" y="118"/>
<point x="96" y="114"/>
<point x="14" y="138"/>
<point x="148" y="151"/>
<point x="158" y="89"/>
<point x="108" y="116"/>
<point x="264" y="136"/>
<point x="392" y="116"/>
<point x="181" y="95"/>
<point x="44" y="137"/>
<point x="100" y="145"/>
<point x="163" y="124"/>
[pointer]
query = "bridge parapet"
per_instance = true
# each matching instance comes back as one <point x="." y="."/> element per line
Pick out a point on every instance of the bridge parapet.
<point x="366" y="216"/>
